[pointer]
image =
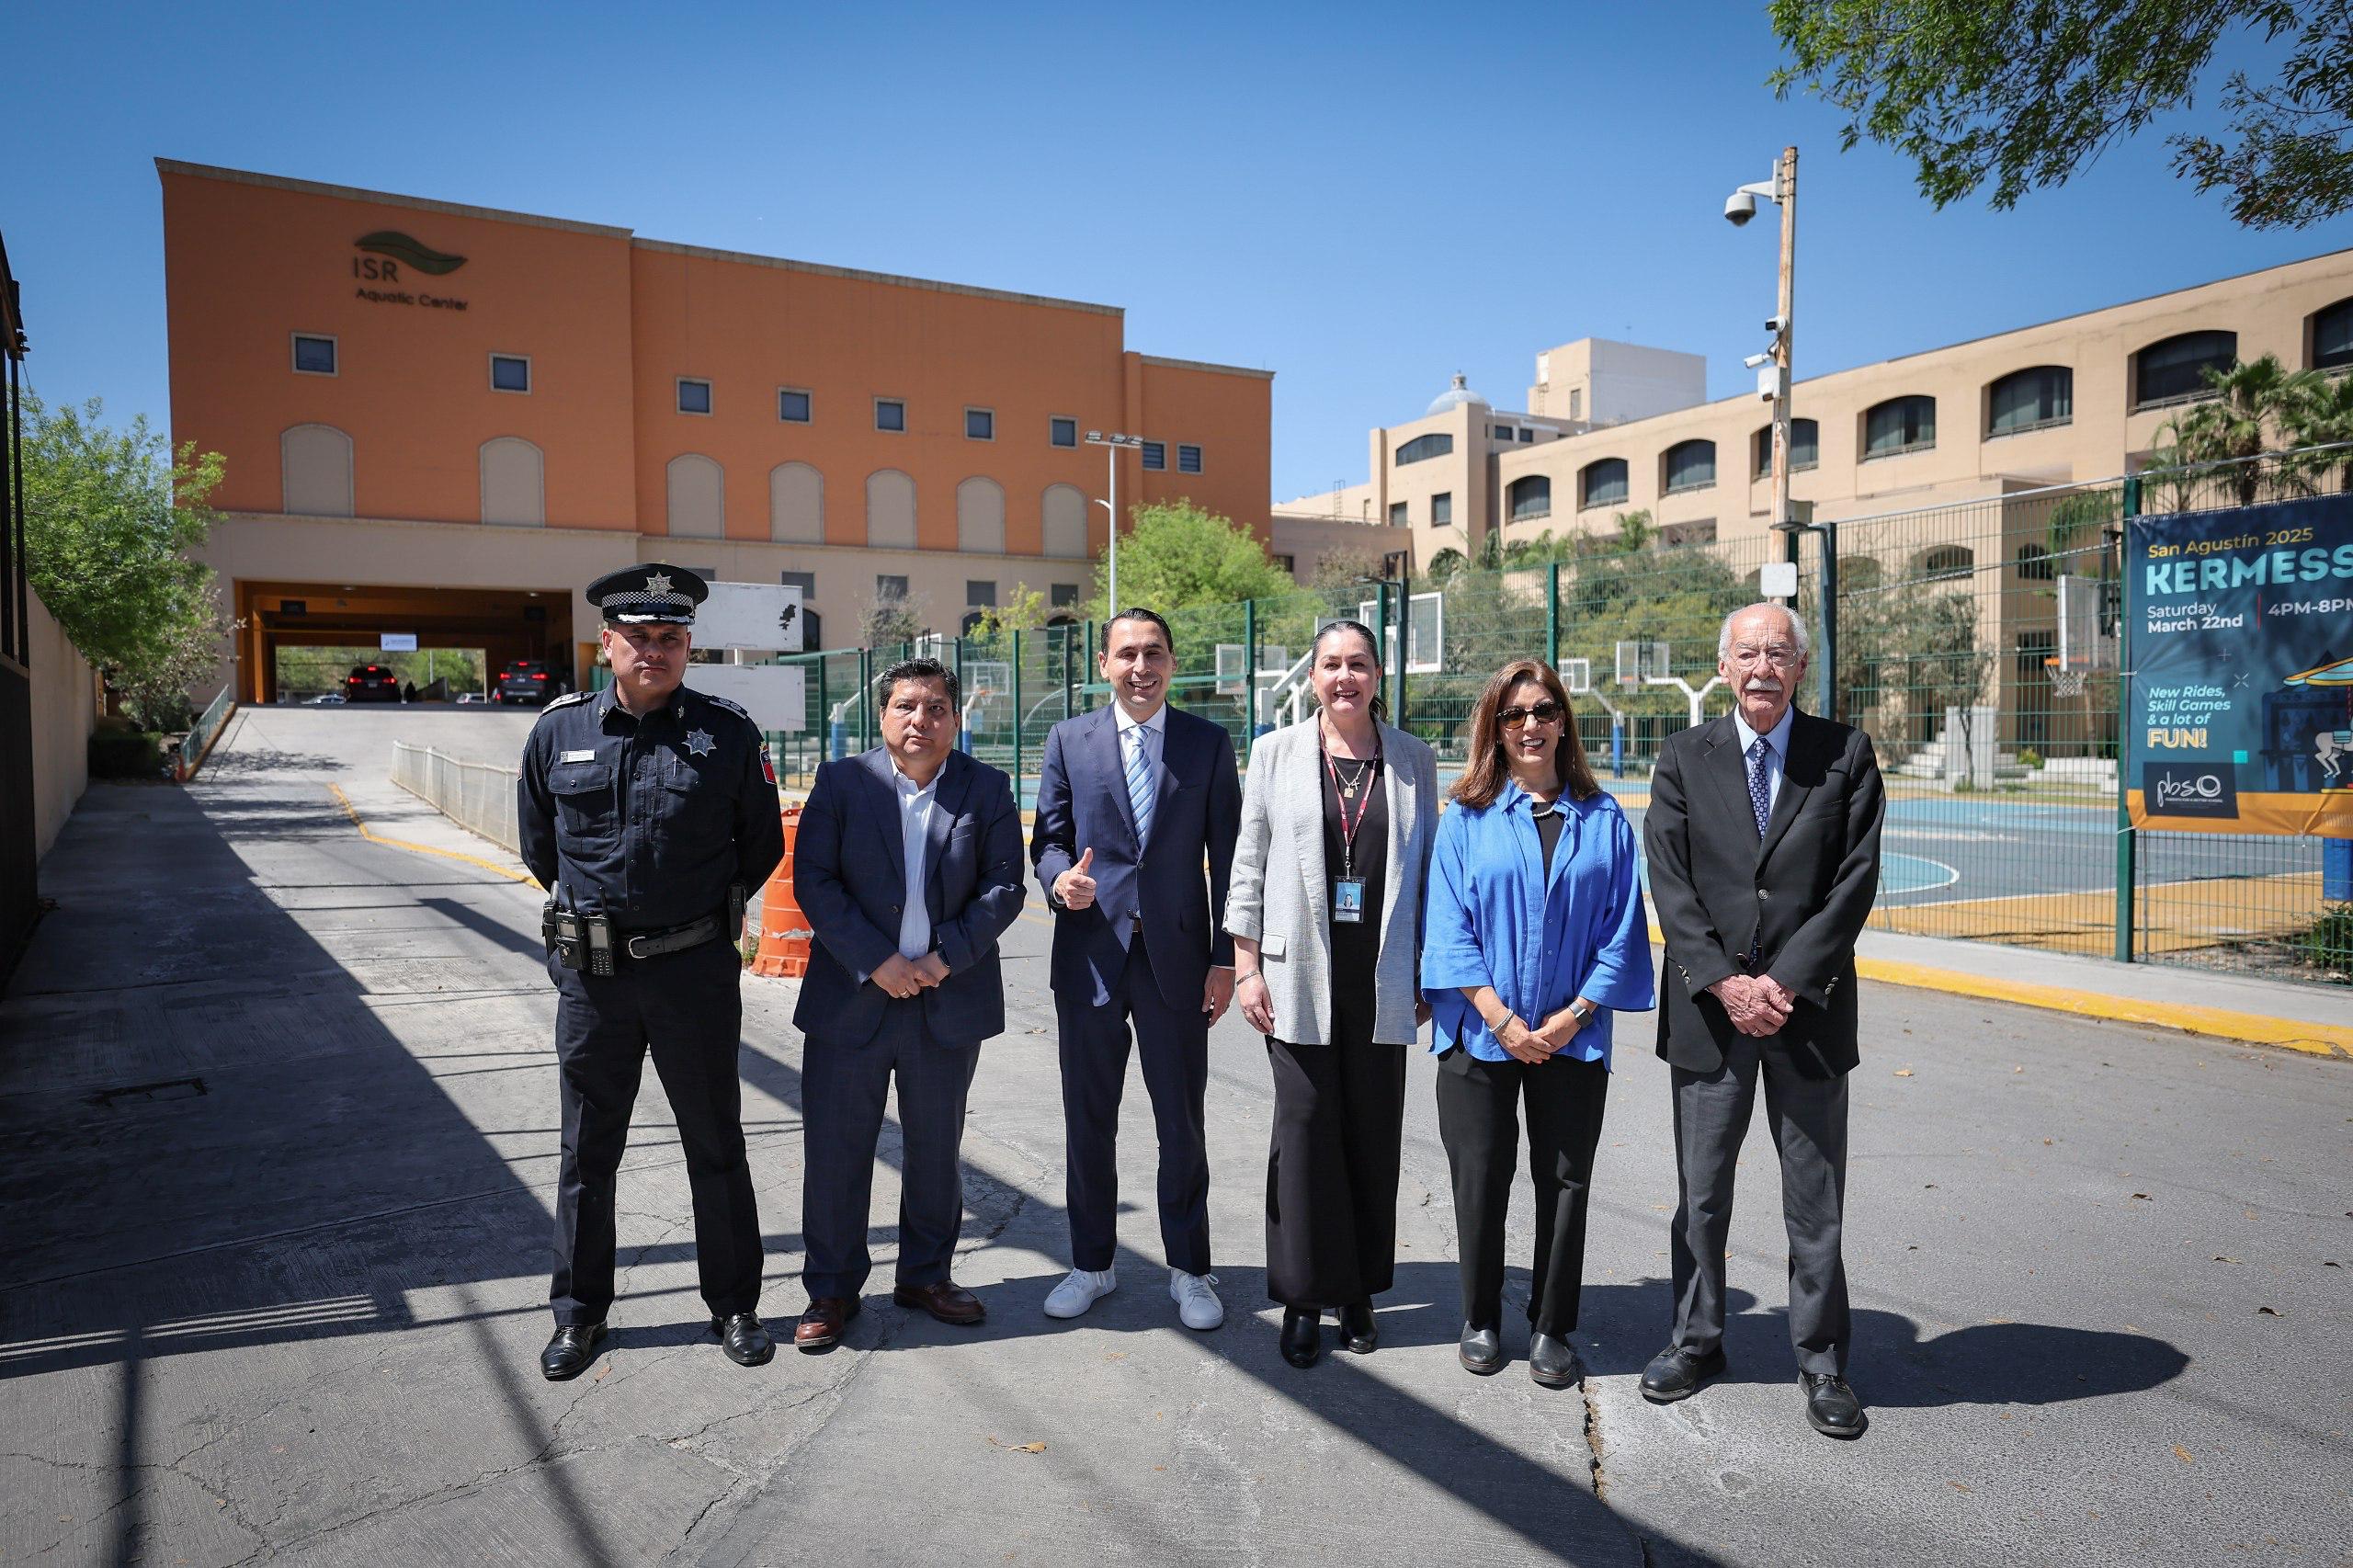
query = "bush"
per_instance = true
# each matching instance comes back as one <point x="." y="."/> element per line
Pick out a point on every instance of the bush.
<point x="2328" y="945"/>
<point x="2031" y="758"/>
<point x="126" y="754"/>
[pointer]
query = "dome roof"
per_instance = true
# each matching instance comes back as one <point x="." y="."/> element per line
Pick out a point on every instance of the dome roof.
<point x="1456" y="396"/>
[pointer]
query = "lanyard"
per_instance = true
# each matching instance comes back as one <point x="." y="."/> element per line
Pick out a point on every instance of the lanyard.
<point x="1349" y="826"/>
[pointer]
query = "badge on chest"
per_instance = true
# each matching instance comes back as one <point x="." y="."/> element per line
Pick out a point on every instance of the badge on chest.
<point x="1347" y="901"/>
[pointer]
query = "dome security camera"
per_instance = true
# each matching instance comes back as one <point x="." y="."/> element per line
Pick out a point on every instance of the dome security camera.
<point x="1739" y="208"/>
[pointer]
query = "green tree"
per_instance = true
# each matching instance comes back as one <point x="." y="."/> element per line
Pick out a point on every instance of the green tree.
<point x="1445" y="564"/>
<point x="2321" y="415"/>
<point x="110" y="518"/>
<point x="891" y="620"/>
<point x="1177" y="555"/>
<point x="2024" y="96"/>
<point x="2248" y="415"/>
<point x="1023" y="609"/>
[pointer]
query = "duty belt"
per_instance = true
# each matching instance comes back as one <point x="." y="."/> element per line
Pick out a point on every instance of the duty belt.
<point x="672" y="939"/>
<point x="591" y="942"/>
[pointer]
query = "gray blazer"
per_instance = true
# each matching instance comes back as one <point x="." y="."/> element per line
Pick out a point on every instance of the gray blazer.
<point x="1278" y="897"/>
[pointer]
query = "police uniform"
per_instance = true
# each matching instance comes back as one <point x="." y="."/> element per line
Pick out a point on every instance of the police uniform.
<point x="642" y="828"/>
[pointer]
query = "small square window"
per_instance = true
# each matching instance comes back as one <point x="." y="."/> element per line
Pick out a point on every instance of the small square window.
<point x="977" y="593"/>
<point x="1065" y="432"/>
<point x="891" y="589"/>
<point x="510" y="372"/>
<point x="694" y="396"/>
<point x="1289" y="563"/>
<point x="890" y="413"/>
<point x="1398" y="515"/>
<point x="1156" y="455"/>
<point x="792" y="406"/>
<point x="1526" y="435"/>
<point x="1065" y="596"/>
<point x="1442" y="509"/>
<point x="315" y="356"/>
<point x="804" y="580"/>
<point x="1188" y="460"/>
<point x="979" y="424"/>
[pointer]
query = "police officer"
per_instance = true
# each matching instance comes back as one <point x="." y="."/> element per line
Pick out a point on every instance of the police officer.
<point x="648" y="811"/>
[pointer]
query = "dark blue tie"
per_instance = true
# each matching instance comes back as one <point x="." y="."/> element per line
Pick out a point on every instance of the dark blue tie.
<point x="1760" y="788"/>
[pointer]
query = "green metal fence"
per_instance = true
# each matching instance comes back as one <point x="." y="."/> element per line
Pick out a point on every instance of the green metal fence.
<point x="1977" y="643"/>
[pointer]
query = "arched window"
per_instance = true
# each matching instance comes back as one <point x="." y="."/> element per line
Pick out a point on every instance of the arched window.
<point x="2030" y="399"/>
<point x="1948" y="560"/>
<point x="2333" y="336"/>
<point x="890" y="510"/>
<point x="2175" y="368"/>
<point x="514" y="483"/>
<point x="1900" y="424"/>
<point x="1063" y="513"/>
<point x="1438" y="444"/>
<point x="698" y="499"/>
<point x="1530" y="497"/>
<point x="1689" y="465"/>
<point x="1805" y="448"/>
<point x="1602" y="482"/>
<point x="314" y="463"/>
<point x="796" y="505"/>
<point x="980" y="517"/>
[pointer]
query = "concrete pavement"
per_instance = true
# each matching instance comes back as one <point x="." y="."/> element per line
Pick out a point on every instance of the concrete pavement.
<point x="276" y="1146"/>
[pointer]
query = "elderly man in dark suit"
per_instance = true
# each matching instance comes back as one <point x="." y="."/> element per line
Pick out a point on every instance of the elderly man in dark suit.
<point x="1138" y="808"/>
<point x="1763" y="837"/>
<point x="902" y="984"/>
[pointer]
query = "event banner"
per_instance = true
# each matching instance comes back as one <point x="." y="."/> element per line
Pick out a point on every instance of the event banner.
<point x="2239" y="635"/>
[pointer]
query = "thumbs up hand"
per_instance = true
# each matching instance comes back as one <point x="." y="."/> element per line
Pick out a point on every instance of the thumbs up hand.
<point x="1074" y="888"/>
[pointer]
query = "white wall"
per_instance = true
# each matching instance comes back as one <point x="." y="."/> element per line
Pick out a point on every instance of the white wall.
<point x="65" y="712"/>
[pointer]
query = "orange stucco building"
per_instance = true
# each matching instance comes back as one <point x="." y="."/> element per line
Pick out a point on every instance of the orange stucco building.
<point x="444" y="419"/>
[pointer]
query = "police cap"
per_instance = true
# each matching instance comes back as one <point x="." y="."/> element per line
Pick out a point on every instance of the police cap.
<point x="653" y="593"/>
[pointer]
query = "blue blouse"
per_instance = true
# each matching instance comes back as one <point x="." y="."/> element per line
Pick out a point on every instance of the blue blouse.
<point x="1495" y="919"/>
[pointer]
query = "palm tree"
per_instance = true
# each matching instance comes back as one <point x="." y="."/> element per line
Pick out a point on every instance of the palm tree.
<point x="2322" y="416"/>
<point x="2246" y="417"/>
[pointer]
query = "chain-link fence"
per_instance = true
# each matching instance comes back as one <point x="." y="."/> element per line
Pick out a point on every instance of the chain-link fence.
<point x="479" y="796"/>
<point x="1979" y="643"/>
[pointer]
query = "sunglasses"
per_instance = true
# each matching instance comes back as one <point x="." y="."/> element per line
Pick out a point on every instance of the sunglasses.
<point x="1544" y="712"/>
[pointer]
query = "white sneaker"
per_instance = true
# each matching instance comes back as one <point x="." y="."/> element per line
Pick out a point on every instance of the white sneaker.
<point x="1196" y="1299"/>
<point x="1080" y="1289"/>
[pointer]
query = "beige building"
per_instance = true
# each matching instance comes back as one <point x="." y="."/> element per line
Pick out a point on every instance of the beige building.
<point x="1615" y="428"/>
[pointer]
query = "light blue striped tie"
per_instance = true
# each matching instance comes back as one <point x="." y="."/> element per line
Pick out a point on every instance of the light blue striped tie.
<point x="1140" y="790"/>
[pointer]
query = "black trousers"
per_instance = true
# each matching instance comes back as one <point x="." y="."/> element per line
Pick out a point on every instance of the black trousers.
<point x="1478" y="1106"/>
<point x="1332" y="1171"/>
<point x="842" y="1087"/>
<point x="1174" y="1045"/>
<point x="1808" y="1118"/>
<point x="685" y="1009"/>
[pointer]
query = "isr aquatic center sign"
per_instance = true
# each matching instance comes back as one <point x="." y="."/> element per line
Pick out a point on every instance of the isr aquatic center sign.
<point x="387" y="252"/>
<point x="2239" y="633"/>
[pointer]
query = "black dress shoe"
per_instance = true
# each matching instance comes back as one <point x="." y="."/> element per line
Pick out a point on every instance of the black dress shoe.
<point x="746" y="1343"/>
<point x="1676" y="1373"/>
<point x="1358" y="1330"/>
<point x="1552" y="1363"/>
<point x="1302" y="1336"/>
<point x="570" y="1351"/>
<point x="1831" y="1407"/>
<point x="1482" y="1350"/>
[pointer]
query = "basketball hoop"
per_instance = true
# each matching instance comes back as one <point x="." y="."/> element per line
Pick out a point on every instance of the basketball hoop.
<point x="2064" y="683"/>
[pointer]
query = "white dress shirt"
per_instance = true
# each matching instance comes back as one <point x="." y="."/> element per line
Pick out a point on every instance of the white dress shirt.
<point x="915" y="803"/>
<point x="1777" y="751"/>
<point x="1150" y="734"/>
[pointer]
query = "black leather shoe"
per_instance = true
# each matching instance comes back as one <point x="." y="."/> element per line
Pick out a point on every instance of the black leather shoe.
<point x="746" y="1343"/>
<point x="1358" y="1332"/>
<point x="1676" y="1373"/>
<point x="1552" y="1363"/>
<point x="570" y="1351"/>
<point x="1482" y="1350"/>
<point x="1302" y="1336"/>
<point x="1831" y="1407"/>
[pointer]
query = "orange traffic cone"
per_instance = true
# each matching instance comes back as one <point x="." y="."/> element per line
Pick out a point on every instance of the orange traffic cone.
<point x="784" y="930"/>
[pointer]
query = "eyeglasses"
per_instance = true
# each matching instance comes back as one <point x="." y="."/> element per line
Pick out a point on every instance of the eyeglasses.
<point x="1779" y="655"/>
<point x="1545" y="712"/>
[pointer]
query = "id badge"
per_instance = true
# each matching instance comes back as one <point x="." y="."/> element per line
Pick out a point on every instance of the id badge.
<point x="1347" y="901"/>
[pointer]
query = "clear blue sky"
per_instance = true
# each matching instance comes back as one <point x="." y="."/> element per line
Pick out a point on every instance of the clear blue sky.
<point x="1362" y="197"/>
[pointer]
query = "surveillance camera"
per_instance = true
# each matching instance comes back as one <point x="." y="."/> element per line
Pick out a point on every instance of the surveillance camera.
<point x="1739" y="208"/>
<point x="1774" y="323"/>
<point x="1754" y="360"/>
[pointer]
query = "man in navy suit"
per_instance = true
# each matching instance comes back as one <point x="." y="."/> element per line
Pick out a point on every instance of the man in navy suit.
<point x="1138" y="808"/>
<point x="902" y="984"/>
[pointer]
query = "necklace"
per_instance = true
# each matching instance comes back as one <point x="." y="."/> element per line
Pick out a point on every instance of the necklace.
<point x="1359" y="769"/>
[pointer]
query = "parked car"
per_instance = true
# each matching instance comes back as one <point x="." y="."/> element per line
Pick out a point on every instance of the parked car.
<point x="325" y="699"/>
<point x="371" y="683"/>
<point x="526" y="681"/>
<point x="468" y="698"/>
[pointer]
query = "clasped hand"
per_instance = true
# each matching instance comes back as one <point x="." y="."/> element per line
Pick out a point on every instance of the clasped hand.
<point x="1756" y="1004"/>
<point x="1546" y="1040"/>
<point x="902" y="977"/>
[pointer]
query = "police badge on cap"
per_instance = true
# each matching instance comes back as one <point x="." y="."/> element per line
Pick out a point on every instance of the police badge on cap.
<point x="651" y="594"/>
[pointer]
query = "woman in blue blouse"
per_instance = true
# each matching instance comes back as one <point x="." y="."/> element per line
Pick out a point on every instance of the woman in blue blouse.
<point x="1535" y="932"/>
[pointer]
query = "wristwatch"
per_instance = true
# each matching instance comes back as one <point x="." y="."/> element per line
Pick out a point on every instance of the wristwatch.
<point x="1582" y="1011"/>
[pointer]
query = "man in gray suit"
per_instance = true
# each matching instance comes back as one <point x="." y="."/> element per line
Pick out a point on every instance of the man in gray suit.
<point x="1763" y="839"/>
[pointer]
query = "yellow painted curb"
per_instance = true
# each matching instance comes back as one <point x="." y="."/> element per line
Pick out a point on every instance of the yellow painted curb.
<point x="2254" y="1029"/>
<point x="374" y="837"/>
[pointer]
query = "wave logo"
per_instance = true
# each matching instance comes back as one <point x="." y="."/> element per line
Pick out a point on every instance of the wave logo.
<point x="397" y="250"/>
<point x="2173" y="791"/>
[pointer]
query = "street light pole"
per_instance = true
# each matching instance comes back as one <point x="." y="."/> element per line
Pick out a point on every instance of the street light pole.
<point x="1785" y="195"/>
<point x="1112" y="443"/>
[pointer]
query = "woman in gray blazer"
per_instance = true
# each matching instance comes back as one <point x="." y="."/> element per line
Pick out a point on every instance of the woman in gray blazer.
<point x="1326" y="913"/>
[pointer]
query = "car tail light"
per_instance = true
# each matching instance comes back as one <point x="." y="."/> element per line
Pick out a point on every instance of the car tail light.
<point x="541" y="676"/>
